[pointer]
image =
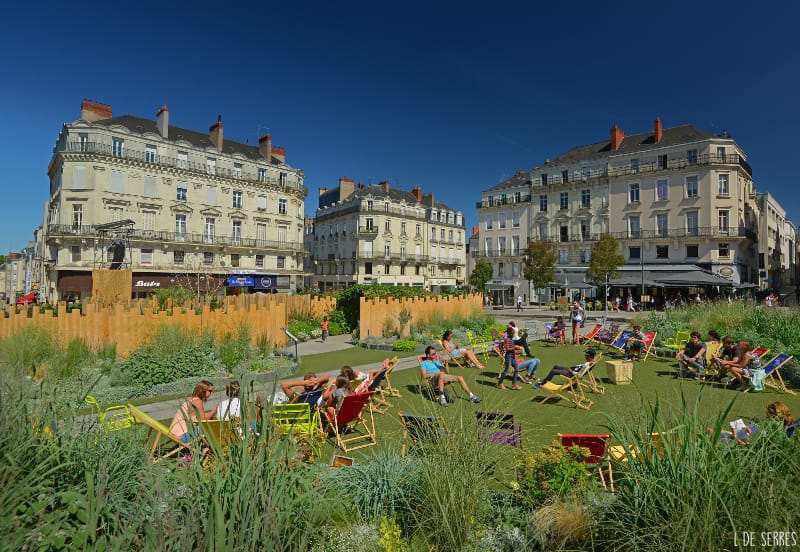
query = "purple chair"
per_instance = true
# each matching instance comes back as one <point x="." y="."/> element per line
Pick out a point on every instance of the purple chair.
<point x="500" y="428"/>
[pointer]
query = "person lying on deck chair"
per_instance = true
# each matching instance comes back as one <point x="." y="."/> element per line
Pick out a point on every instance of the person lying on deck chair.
<point x="568" y="371"/>
<point x="310" y="382"/>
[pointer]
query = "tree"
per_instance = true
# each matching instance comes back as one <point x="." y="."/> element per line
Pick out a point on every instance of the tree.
<point x="604" y="261"/>
<point x="540" y="262"/>
<point x="481" y="274"/>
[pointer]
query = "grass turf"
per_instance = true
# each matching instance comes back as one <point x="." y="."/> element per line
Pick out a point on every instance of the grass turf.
<point x="652" y="380"/>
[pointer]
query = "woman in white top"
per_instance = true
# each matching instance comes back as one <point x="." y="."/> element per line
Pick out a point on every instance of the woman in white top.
<point x="230" y="407"/>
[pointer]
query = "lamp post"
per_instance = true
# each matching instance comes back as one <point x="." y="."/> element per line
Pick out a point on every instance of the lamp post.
<point x="641" y="265"/>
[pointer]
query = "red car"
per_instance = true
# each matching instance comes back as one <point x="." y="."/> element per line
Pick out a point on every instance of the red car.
<point x="29" y="299"/>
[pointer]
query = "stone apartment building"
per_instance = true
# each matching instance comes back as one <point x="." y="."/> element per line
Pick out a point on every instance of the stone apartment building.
<point x="676" y="198"/>
<point x="170" y="204"/>
<point x="379" y="234"/>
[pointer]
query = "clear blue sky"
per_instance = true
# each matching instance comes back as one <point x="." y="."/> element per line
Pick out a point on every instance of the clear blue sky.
<point x="452" y="97"/>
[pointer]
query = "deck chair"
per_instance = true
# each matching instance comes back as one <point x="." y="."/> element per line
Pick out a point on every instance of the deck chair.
<point x="421" y="431"/>
<point x="711" y="351"/>
<point x="607" y="335"/>
<point x="772" y="374"/>
<point x="499" y="428"/>
<point x="379" y="403"/>
<point x="588" y="381"/>
<point x="295" y="417"/>
<point x="598" y="453"/>
<point x="219" y="434"/>
<point x="447" y="358"/>
<point x="360" y="434"/>
<point x="571" y="386"/>
<point x="649" y="341"/>
<point x="388" y="390"/>
<point x="678" y="342"/>
<point x="160" y="433"/>
<point x="424" y="386"/>
<point x="592" y="335"/>
<point x="759" y="351"/>
<point x="619" y="341"/>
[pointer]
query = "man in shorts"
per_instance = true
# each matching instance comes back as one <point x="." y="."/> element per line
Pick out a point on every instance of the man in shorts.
<point x="436" y="373"/>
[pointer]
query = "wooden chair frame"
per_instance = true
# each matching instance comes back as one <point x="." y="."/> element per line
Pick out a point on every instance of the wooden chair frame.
<point x="416" y="428"/>
<point x="352" y="413"/>
<point x="159" y="431"/>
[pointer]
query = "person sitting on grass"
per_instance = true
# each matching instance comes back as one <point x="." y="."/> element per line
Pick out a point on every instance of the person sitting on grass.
<point x="310" y="382"/>
<point x="781" y="413"/>
<point x="569" y="371"/>
<point x="636" y="341"/>
<point x="740" y="432"/>
<point x="192" y="410"/>
<point x="456" y="351"/>
<point x="436" y="373"/>
<point x="692" y="357"/>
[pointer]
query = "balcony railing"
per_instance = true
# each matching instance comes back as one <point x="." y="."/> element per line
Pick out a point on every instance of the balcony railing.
<point x="98" y="148"/>
<point x="368" y="230"/>
<point x="499" y="202"/>
<point x="161" y="236"/>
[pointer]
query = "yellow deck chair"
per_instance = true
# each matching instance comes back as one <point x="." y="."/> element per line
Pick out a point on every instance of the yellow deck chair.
<point x="588" y="381"/>
<point x="160" y="433"/>
<point x="447" y="358"/>
<point x="574" y="390"/>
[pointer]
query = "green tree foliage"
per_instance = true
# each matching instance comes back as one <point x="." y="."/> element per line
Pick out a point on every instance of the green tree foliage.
<point x="347" y="299"/>
<point x="604" y="261"/>
<point x="540" y="263"/>
<point x="481" y="274"/>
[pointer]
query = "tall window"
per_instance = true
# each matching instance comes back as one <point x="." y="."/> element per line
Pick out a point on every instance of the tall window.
<point x="488" y="247"/>
<point x="149" y="186"/>
<point x="237" y="199"/>
<point x="259" y="261"/>
<point x="490" y="201"/>
<point x="502" y="220"/>
<point x="211" y="165"/>
<point x="77" y="216"/>
<point x="691" y="156"/>
<point x="182" y="193"/>
<point x="662" y="224"/>
<point x="721" y="153"/>
<point x="388" y="225"/>
<point x="150" y="153"/>
<point x="236" y="232"/>
<point x="281" y="261"/>
<point x="234" y="259"/>
<point x="419" y="231"/>
<point x="564" y="176"/>
<point x="584" y="230"/>
<point x="634" y="166"/>
<point x="586" y="199"/>
<point x="515" y="245"/>
<point x="585" y="256"/>
<point x="543" y="234"/>
<point x="403" y="228"/>
<point x="515" y="219"/>
<point x="183" y="159"/>
<point x="517" y="197"/>
<point x="262" y="203"/>
<point x="724" y="250"/>
<point x="283" y="179"/>
<point x="209" y="230"/>
<point x="662" y="187"/>
<point x="488" y="222"/>
<point x="563" y="233"/>
<point x="282" y="232"/>
<point x="633" y="226"/>
<point x="117" y="147"/>
<point x="662" y="161"/>
<point x="84" y="142"/>
<point x="543" y="203"/>
<point x="237" y="170"/>
<point x="261" y="232"/>
<point x="262" y="174"/>
<point x="146" y="257"/>
<point x="433" y="233"/>
<point x="563" y="256"/>
<point x="148" y="220"/>
<point x="114" y="214"/>
<point x="501" y="245"/>
<point x="691" y="186"/>
<point x="723" y="185"/>
<point x="563" y="201"/>
<point x="75" y="253"/>
<point x="692" y="223"/>
<point x="282" y="205"/>
<point x="634" y="252"/>
<point x="211" y="195"/>
<point x="208" y="258"/>
<point x="633" y="193"/>
<point x="387" y="250"/>
<point x="723" y="220"/>
<point x="180" y="226"/>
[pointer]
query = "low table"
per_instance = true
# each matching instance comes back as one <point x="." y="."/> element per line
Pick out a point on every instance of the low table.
<point x="620" y="372"/>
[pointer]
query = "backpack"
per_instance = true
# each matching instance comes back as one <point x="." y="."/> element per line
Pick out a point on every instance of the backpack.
<point x="450" y="395"/>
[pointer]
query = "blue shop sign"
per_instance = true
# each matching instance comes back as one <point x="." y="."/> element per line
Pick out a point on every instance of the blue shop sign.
<point x="266" y="282"/>
<point x="240" y="281"/>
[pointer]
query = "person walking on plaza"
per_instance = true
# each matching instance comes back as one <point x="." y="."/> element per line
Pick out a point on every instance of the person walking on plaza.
<point x="324" y="328"/>
<point x="519" y="303"/>
<point x="630" y="303"/>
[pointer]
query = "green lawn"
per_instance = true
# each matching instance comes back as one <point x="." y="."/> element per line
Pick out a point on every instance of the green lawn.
<point x="356" y="356"/>
<point x="652" y="380"/>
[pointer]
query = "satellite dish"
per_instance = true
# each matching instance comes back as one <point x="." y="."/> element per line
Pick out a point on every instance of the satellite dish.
<point x="222" y="263"/>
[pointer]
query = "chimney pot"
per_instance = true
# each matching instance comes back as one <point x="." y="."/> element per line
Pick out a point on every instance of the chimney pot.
<point x="215" y="133"/>
<point x="617" y="135"/>
<point x="417" y="193"/>
<point x="658" y="130"/>
<point x="162" y="121"/>
<point x="265" y="147"/>
<point x="95" y="111"/>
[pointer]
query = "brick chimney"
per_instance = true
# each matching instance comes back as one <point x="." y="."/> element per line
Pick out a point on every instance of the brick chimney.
<point x="323" y="191"/>
<point x="215" y="133"/>
<point x="384" y="185"/>
<point x="658" y="131"/>
<point x="617" y="135"/>
<point x="162" y="121"/>
<point x="417" y="193"/>
<point x="279" y="153"/>
<point x="346" y="187"/>
<point x="94" y="111"/>
<point x="265" y="147"/>
<point x="475" y="230"/>
<point x="428" y="199"/>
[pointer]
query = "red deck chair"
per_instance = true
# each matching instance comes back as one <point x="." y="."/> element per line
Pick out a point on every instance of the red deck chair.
<point x="361" y="434"/>
<point x="592" y="333"/>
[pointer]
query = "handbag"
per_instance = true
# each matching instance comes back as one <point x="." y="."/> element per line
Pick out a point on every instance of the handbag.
<point x="757" y="379"/>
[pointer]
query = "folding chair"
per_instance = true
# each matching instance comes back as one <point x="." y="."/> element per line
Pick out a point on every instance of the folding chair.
<point x="649" y="340"/>
<point x="351" y="412"/>
<point x="586" y="378"/>
<point x="772" y="369"/>
<point x="619" y="341"/>
<point x="421" y="430"/>
<point x="759" y="351"/>
<point x="499" y="428"/>
<point x="576" y="395"/>
<point x="593" y="333"/>
<point x="295" y="417"/>
<point x="113" y="418"/>
<point x="597" y="445"/>
<point x="388" y="390"/>
<point x="562" y="338"/>
<point x="711" y="351"/>
<point x="161" y="435"/>
<point x="481" y="346"/>
<point x="379" y="403"/>
<point x="219" y="434"/>
<point x="678" y="342"/>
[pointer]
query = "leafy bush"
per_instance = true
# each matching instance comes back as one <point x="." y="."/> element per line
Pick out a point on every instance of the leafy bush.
<point x="553" y="472"/>
<point x="337" y="323"/>
<point x="233" y="350"/>
<point x="405" y="345"/>
<point x="348" y="299"/>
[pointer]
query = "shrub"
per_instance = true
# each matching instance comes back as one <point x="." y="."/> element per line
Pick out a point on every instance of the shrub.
<point x="233" y="350"/>
<point x="169" y="355"/>
<point x="553" y="472"/>
<point x="405" y="345"/>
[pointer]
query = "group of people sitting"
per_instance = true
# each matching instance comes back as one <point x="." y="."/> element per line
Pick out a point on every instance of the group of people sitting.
<point x="734" y="363"/>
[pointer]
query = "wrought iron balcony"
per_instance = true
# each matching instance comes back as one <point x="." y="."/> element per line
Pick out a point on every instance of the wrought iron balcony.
<point x="372" y="230"/>
<point x="500" y="202"/>
<point x="98" y="148"/>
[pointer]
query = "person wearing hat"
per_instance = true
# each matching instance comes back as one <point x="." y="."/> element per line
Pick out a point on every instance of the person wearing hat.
<point x="569" y="371"/>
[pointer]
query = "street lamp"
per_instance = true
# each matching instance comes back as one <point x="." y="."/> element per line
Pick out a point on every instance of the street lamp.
<point x="641" y="266"/>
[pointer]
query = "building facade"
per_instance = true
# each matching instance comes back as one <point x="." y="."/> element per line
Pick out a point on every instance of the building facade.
<point x="171" y="204"/>
<point x="377" y="234"/>
<point x="676" y="196"/>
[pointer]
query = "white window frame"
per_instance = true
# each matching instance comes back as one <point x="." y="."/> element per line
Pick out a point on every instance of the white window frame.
<point x="237" y="199"/>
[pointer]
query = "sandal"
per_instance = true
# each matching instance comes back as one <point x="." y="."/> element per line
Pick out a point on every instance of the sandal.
<point x="501" y="386"/>
<point x="516" y="387"/>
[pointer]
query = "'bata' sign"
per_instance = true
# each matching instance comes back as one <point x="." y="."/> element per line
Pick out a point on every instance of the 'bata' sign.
<point x="147" y="283"/>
